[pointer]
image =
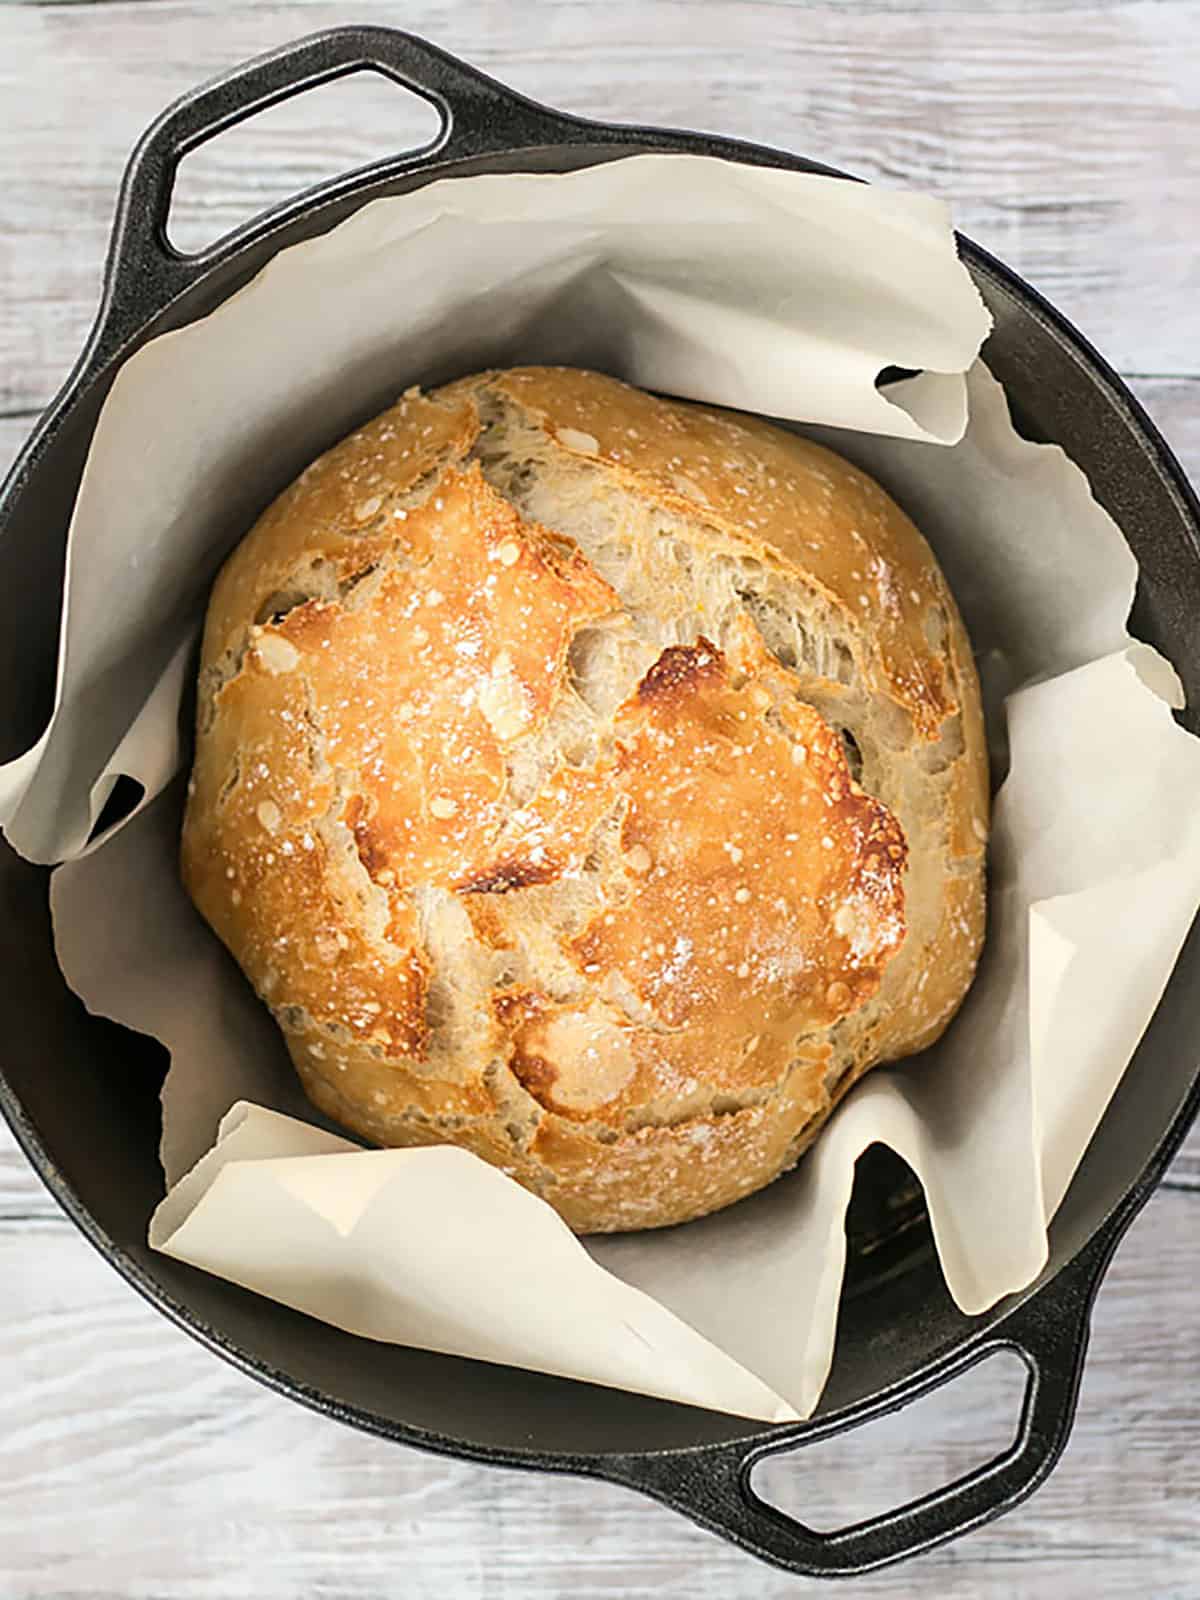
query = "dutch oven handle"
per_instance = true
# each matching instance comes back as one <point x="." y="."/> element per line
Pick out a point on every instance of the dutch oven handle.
<point x="1049" y="1332"/>
<point x="145" y="273"/>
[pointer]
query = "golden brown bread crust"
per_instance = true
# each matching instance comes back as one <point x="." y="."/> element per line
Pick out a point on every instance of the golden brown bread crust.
<point x="523" y="788"/>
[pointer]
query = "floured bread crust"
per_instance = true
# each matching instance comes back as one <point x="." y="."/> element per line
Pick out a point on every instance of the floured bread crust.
<point x="594" y="781"/>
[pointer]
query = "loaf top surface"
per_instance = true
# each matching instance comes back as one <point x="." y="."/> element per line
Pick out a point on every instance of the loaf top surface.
<point x="593" y="780"/>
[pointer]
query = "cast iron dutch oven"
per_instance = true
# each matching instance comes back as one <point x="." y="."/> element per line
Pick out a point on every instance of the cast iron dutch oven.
<point x="82" y="1095"/>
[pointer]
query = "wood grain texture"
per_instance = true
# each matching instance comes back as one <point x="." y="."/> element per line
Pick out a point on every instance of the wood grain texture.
<point x="1065" y="138"/>
<point x="133" y="1465"/>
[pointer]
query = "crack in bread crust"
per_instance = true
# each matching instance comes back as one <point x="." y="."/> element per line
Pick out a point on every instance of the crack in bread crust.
<point x="593" y="781"/>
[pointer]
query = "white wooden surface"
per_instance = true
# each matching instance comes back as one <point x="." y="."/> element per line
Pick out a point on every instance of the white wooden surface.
<point x="134" y="1466"/>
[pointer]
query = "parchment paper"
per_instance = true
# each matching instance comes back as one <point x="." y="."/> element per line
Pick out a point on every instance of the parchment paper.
<point x="765" y="290"/>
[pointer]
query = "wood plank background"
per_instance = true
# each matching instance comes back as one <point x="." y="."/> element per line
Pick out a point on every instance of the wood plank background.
<point x="134" y="1466"/>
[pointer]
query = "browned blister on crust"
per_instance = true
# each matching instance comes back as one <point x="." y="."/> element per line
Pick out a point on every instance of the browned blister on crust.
<point x="593" y="781"/>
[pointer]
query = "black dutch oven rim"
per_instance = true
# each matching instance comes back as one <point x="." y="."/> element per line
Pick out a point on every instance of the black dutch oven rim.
<point x="1047" y="1325"/>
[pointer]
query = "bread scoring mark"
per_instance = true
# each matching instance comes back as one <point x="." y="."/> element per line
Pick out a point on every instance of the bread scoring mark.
<point x="747" y="477"/>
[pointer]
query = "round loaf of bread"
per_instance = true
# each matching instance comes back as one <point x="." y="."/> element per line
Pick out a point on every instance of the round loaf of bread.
<point x="591" y="780"/>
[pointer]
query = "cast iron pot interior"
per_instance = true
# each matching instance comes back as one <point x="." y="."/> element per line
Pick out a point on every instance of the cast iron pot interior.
<point x="82" y="1094"/>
